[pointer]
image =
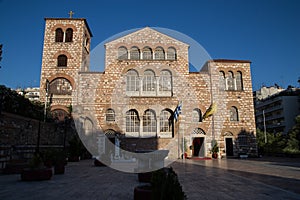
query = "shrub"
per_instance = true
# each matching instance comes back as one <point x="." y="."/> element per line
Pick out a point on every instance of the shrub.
<point x="165" y="185"/>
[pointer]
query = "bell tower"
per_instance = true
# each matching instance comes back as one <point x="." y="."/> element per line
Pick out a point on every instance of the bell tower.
<point x="66" y="52"/>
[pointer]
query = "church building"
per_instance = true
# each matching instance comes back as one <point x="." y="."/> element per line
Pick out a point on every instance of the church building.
<point x="146" y="77"/>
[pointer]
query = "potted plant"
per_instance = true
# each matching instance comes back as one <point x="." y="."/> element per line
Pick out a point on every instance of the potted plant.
<point x="186" y="150"/>
<point x="59" y="162"/>
<point x="143" y="192"/>
<point x="36" y="171"/>
<point x="215" y="149"/>
<point x="75" y="149"/>
<point x="48" y="158"/>
<point x="164" y="185"/>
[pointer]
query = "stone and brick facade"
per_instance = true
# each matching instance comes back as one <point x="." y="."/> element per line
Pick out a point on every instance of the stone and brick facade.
<point x="146" y="76"/>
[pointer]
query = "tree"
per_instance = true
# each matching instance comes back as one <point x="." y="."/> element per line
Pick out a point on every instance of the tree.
<point x="276" y="142"/>
<point x="12" y="102"/>
<point x="293" y="140"/>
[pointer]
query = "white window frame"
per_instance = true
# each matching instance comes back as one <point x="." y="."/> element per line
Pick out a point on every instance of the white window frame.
<point x="132" y="83"/>
<point x="159" y="54"/>
<point x="149" y="124"/>
<point x="149" y="83"/>
<point x="234" y="114"/>
<point x="165" y="124"/>
<point x="171" y="54"/>
<point x="132" y="124"/>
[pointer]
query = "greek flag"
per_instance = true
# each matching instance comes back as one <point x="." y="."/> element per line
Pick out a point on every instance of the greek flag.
<point x="177" y="111"/>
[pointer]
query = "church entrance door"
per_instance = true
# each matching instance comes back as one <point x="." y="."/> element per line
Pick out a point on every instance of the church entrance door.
<point x="198" y="147"/>
<point x="229" y="146"/>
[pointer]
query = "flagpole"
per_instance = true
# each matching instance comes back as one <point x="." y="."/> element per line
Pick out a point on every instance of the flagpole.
<point x="211" y="101"/>
<point x="183" y="157"/>
<point x="177" y="126"/>
<point x="177" y="113"/>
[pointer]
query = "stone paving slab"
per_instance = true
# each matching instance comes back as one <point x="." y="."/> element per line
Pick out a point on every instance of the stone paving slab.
<point x="81" y="180"/>
<point x="238" y="179"/>
<point x="210" y="179"/>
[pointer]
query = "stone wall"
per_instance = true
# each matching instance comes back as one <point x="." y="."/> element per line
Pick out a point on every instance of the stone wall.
<point x="16" y="130"/>
<point x="95" y="92"/>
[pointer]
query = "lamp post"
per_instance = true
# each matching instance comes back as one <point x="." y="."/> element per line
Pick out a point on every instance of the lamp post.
<point x="265" y="132"/>
<point x="46" y="101"/>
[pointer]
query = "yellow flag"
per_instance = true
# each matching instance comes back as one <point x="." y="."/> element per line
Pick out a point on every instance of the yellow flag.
<point x="210" y="111"/>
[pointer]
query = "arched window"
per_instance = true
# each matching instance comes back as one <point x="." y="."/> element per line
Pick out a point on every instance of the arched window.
<point x="165" y="81"/>
<point x="149" y="81"/>
<point x="239" y="81"/>
<point x="171" y="53"/>
<point x="230" y="81"/>
<point x="234" y="116"/>
<point x="122" y="53"/>
<point x="134" y="53"/>
<point x="132" y="83"/>
<point x="149" y="121"/>
<point x="147" y="53"/>
<point x="222" y="84"/>
<point x="166" y="121"/>
<point x="59" y="114"/>
<point x="196" y="115"/>
<point x="62" y="61"/>
<point x="132" y="121"/>
<point x="159" y="53"/>
<point x="59" y="35"/>
<point x="88" y="126"/>
<point x="60" y="86"/>
<point x="110" y="115"/>
<point x="69" y="35"/>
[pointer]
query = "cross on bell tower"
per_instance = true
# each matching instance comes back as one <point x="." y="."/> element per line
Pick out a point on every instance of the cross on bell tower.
<point x="71" y="13"/>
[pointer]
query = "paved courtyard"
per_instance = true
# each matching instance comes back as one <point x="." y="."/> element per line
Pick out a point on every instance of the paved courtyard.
<point x="201" y="179"/>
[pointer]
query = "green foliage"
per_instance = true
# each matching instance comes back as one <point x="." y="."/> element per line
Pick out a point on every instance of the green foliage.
<point x="278" y="143"/>
<point x="275" y="142"/>
<point x="215" y="147"/>
<point x="70" y="109"/>
<point x="55" y="156"/>
<point x="165" y="185"/>
<point x="18" y="104"/>
<point x="293" y="140"/>
<point x="185" y="145"/>
<point x="36" y="161"/>
<point x="76" y="147"/>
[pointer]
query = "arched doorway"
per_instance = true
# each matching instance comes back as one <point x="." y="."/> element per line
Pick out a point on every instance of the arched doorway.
<point x="228" y="139"/>
<point x="198" y="142"/>
<point x="115" y="138"/>
<point x="111" y="135"/>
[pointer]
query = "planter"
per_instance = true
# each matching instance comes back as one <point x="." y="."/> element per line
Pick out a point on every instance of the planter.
<point x="15" y="167"/>
<point x="36" y="174"/>
<point x="215" y="155"/>
<point x="143" y="192"/>
<point x="145" y="177"/>
<point x="59" y="168"/>
<point x="48" y="163"/>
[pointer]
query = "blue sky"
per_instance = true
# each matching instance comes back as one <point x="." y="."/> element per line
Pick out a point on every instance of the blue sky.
<point x="265" y="32"/>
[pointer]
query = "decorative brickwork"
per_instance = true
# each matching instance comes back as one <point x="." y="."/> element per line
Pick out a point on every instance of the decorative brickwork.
<point x="96" y="92"/>
<point x="76" y="51"/>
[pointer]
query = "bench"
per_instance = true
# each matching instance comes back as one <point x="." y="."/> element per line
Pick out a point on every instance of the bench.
<point x="243" y="156"/>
